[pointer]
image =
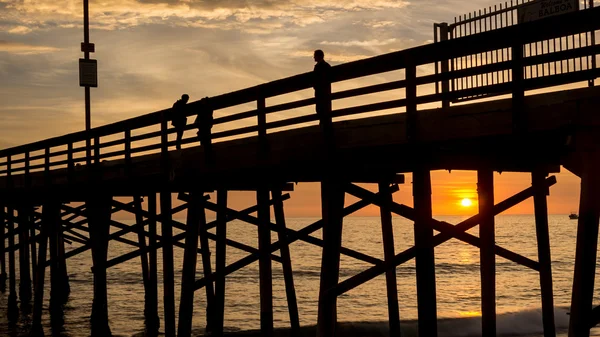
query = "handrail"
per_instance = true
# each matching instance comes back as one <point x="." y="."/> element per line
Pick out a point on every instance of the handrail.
<point x="512" y="36"/>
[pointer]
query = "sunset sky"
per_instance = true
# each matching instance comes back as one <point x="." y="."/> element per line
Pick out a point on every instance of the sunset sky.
<point x="149" y="52"/>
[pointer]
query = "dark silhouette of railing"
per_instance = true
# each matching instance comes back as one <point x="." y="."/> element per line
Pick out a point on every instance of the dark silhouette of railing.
<point x="65" y="152"/>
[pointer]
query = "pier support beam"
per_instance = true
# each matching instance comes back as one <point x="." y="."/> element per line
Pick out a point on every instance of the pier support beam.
<point x="2" y="250"/>
<point x="587" y="242"/>
<point x="424" y="259"/>
<point x="139" y="222"/>
<point x="50" y="218"/>
<point x="12" y="280"/>
<point x="168" y="272"/>
<point x="332" y="205"/>
<point x="544" y="257"/>
<point x="24" y="271"/>
<point x="206" y="268"/>
<point x="387" y="232"/>
<point x="186" y="304"/>
<point x="220" y="263"/>
<point x="485" y="192"/>
<point x="286" y="260"/>
<point x="99" y="214"/>
<point x="264" y="263"/>
<point x="152" y="319"/>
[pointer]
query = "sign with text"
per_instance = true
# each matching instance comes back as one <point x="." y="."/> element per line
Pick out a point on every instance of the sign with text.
<point x="88" y="73"/>
<point x="540" y="9"/>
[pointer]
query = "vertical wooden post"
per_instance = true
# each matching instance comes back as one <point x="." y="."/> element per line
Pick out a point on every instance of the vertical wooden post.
<point x="167" y="233"/>
<point x="264" y="262"/>
<point x="586" y="251"/>
<point x="62" y="263"/>
<point x="207" y="271"/>
<point x="50" y="216"/>
<point x="32" y="246"/>
<point x="56" y="296"/>
<point x="425" y="261"/>
<point x="152" y="319"/>
<point x="2" y="248"/>
<point x="411" y="100"/>
<point x="12" y="282"/>
<point x="444" y="35"/>
<point x="332" y="204"/>
<point x="288" y="275"/>
<point x="518" y="91"/>
<point x="139" y="219"/>
<point x="221" y="259"/>
<point x="387" y="232"/>
<point x="543" y="238"/>
<point x="25" y="275"/>
<point x="168" y="271"/>
<point x="485" y="192"/>
<point x="188" y="277"/>
<point x="99" y="213"/>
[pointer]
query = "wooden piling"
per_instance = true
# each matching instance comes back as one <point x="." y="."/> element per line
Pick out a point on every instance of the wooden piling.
<point x="586" y="250"/>
<point x="99" y="213"/>
<point x="387" y="232"/>
<point x="62" y="259"/>
<point x="332" y="204"/>
<point x="32" y="246"/>
<point x="207" y="271"/>
<point x="544" y="257"/>
<point x="152" y="319"/>
<point x="220" y="263"/>
<point x="485" y="192"/>
<point x="288" y="275"/>
<point x="168" y="272"/>
<point x="424" y="259"/>
<point x="188" y="277"/>
<point x="50" y="216"/>
<point x="2" y="250"/>
<point x="24" y="271"/>
<point x="264" y="263"/>
<point x="139" y="222"/>
<point x="12" y="282"/>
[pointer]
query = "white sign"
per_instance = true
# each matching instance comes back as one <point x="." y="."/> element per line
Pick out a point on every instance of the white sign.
<point x="540" y="9"/>
<point x="88" y="73"/>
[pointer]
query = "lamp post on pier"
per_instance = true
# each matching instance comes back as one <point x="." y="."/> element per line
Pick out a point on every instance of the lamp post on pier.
<point x="88" y="74"/>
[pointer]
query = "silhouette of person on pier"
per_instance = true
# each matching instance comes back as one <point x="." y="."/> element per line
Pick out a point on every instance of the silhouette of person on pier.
<point x="179" y="118"/>
<point x="204" y="123"/>
<point x="322" y="86"/>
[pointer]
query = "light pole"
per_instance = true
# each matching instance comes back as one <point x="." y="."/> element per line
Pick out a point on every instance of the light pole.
<point x="88" y="76"/>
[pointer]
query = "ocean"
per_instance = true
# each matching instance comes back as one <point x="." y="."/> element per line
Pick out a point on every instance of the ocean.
<point x="363" y="310"/>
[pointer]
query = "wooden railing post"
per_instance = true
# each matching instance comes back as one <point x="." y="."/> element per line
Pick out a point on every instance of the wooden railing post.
<point x="444" y="36"/>
<point x="97" y="150"/>
<point x="519" y="120"/>
<point x="411" y="99"/>
<point x="128" y="152"/>
<point x="262" y="128"/>
<point x="70" y="164"/>
<point x="47" y="166"/>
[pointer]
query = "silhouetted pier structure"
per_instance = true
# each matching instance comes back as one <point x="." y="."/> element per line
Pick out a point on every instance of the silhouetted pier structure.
<point x="135" y="159"/>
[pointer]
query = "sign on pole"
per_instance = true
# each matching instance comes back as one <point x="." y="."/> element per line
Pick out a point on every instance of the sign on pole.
<point x="539" y="9"/>
<point x="88" y="73"/>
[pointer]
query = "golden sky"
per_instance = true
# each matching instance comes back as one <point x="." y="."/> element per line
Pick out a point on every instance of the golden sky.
<point x="149" y="52"/>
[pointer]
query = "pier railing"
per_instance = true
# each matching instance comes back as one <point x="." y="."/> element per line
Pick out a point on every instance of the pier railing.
<point x="141" y="135"/>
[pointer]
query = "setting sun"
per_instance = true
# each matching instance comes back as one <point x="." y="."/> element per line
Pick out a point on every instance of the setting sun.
<point x="466" y="202"/>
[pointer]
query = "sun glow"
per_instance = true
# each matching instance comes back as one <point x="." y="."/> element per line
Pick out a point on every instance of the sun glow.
<point x="466" y="202"/>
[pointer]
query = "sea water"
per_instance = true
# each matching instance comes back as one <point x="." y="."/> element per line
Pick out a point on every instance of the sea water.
<point x="363" y="310"/>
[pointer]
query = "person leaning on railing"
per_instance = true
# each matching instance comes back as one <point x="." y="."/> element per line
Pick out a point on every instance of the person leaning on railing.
<point x="204" y="123"/>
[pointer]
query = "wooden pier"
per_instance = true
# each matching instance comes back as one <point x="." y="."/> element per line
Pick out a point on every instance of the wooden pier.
<point x="480" y="117"/>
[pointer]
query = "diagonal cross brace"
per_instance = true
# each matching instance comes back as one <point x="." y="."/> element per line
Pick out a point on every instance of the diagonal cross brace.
<point x="291" y="238"/>
<point x="410" y="253"/>
<point x="181" y="236"/>
<point x="444" y="227"/>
